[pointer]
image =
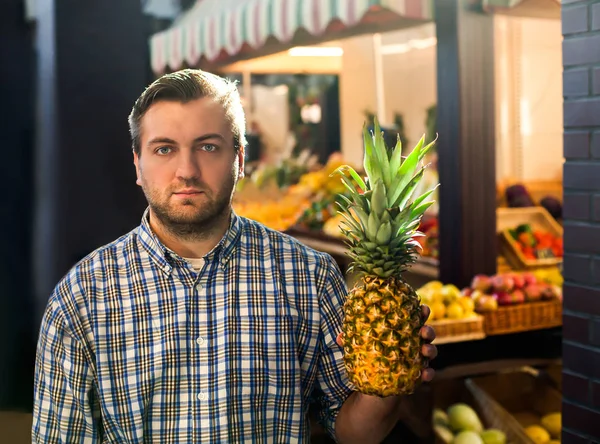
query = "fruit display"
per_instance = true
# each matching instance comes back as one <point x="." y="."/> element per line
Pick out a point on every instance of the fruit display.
<point x="279" y="213"/>
<point x="332" y="227"/>
<point x="382" y="313"/>
<point x="306" y="199"/>
<point x="552" y="423"/>
<point x="548" y="430"/>
<point x="549" y="275"/>
<point x="536" y="244"/>
<point x="490" y="292"/>
<point x="460" y="424"/>
<point x="446" y="301"/>
<point x="529" y="237"/>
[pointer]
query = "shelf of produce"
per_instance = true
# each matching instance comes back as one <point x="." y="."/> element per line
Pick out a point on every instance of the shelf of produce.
<point x="530" y="237"/>
<point x="529" y="405"/>
<point x="449" y="387"/>
<point x="425" y="266"/>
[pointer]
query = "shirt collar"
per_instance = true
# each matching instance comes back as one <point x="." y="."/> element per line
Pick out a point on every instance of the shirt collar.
<point x="165" y="258"/>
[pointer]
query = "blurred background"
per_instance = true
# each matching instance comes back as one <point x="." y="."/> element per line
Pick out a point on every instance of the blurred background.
<point x="511" y="86"/>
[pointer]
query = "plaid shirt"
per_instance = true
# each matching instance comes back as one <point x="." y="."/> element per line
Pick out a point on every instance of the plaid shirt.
<point x="135" y="346"/>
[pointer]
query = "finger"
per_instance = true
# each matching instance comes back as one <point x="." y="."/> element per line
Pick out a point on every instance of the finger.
<point x="340" y="339"/>
<point x="429" y="351"/>
<point x="425" y="312"/>
<point x="427" y="375"/>
<point x="427" y="333"/>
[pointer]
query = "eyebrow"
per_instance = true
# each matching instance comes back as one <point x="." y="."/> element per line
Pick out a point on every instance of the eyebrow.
<point x="196" y="140"/>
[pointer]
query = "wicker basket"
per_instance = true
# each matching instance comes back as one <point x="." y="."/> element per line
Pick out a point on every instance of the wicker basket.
<point x="523" y="317"/>
<point x="458" y="330"/>
<point x="538" y="218"/>
<point x="518" y="397"/>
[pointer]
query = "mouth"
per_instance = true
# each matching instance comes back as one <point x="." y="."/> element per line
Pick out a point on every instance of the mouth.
<point x="188" y="192"/>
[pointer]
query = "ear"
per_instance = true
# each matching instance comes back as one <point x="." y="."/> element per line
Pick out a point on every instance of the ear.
<point x="136" y="162"/>
<point x="241" y="155"/>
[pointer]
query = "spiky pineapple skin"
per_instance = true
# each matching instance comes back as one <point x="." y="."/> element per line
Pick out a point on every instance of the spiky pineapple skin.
<point x="382" y="341"/>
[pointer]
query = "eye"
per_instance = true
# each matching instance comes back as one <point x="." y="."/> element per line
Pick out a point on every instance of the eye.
<point x="163" y="150"/>
<point x="209" y="147"/>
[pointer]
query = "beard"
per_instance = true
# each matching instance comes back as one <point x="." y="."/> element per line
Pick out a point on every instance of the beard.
<point x="194" y="218"/>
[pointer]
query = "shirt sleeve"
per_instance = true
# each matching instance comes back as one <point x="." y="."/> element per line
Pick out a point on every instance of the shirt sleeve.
<point x="65" y="409"/>
<point x="332" y="377"/>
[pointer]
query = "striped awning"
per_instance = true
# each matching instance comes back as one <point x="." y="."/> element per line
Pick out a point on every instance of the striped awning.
<point x="213" y="28"/>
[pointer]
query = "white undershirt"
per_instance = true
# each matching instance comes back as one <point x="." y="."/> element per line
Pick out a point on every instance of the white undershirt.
<point x="197" y="262"/>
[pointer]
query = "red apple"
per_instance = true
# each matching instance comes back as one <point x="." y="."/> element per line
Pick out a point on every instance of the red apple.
<point x="503" y="297"/>
<point x="530" y="278"/>
<point x="481" y="282"/>
<point x="468" y="292"/>
<point x="502" y="283"/>
<point x="519" y="281"/>
<point x="533" y="292"/>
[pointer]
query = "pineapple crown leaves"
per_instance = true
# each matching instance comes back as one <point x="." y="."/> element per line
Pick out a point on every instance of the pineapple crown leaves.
<point x="380" y="219"/>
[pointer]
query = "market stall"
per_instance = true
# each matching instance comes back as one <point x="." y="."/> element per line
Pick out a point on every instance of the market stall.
<point x="492" y="254"/>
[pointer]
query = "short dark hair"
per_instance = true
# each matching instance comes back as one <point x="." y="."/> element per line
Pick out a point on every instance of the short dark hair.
<point x="187" y="85"/>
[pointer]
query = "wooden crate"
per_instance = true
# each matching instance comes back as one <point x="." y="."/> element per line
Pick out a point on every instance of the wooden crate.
<point x="523" y="317"/>
<point x="517" y="396"/>
<point x="452" y="391"/>
<point x="538" y="218"/>
<point x="458" y="330"/>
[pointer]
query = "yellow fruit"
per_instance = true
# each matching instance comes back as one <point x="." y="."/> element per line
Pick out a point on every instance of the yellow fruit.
<point x="433" y="285"/>
<point x="538" y="434"/>
<point x="553" y="423"/>
<point x="467" y="304"/>
<point x="493" y="436"/>
<point x="554" y="441"/>
<point x="450" y="293"/>
<point x="438" y="311"/>
<point x="467" y="437"/>
<point x="440" y="417"/>
<point x="426" y="296"/>
<point x="379" y="312"/>
<point x="455" y="311"/>
<point x="476" y="295"/>
<point x="462" y="417"/>
<point x="437" y="295"/>
<point x="444" y="433"/>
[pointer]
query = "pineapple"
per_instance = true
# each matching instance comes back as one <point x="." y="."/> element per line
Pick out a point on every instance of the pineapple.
<point x="382" y="342"/>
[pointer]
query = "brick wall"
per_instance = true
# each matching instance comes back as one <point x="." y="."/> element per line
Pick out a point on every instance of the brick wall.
<point x="581" y="342"/>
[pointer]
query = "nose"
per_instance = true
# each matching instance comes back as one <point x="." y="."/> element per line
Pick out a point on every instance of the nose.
<point x="188" y="166"/>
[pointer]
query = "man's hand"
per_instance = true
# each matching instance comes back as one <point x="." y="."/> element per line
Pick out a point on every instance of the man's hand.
<point x="428" y="350"/>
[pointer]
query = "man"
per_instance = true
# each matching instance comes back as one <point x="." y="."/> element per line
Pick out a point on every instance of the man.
<point x="199" y="325"/>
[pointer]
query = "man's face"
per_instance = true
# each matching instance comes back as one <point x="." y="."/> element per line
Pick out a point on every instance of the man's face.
<point x="188" y="167"/>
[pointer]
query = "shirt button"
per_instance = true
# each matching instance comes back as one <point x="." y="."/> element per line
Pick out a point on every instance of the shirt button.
<point x="199" y="286"/>
<point x="201" y="396"/>
<point x="200" y="340"/>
